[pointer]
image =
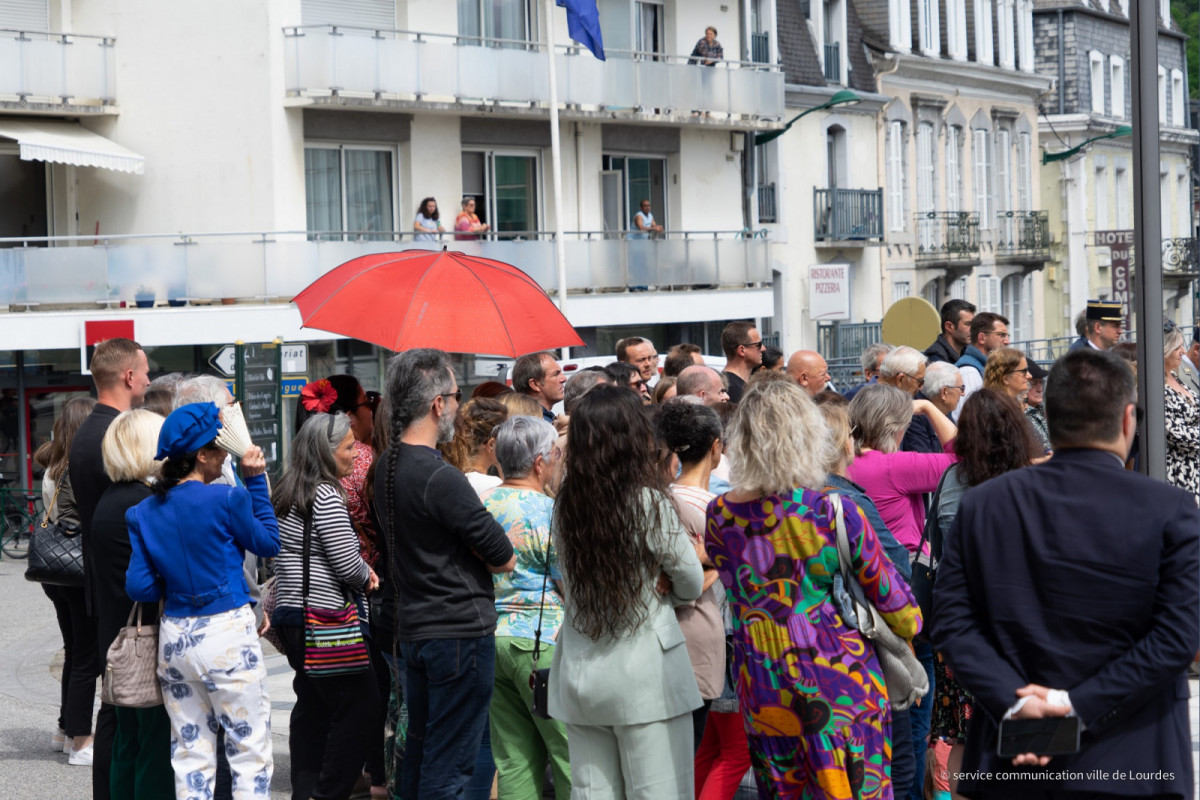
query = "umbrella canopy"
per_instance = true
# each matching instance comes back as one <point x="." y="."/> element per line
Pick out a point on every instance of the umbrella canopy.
<point x="436" y="298"/>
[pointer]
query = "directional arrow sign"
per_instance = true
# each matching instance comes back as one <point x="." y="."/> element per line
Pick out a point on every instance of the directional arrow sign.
<point x="224" y="361"/>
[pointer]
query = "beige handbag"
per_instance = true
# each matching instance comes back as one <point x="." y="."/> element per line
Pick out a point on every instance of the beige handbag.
<point x="131" y="674"/>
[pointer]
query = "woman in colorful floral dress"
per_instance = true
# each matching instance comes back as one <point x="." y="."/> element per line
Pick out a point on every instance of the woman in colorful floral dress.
<point x="811" y="691"/>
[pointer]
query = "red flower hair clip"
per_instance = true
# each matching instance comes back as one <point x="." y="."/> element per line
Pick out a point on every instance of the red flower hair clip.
<point x="318" y="396"/>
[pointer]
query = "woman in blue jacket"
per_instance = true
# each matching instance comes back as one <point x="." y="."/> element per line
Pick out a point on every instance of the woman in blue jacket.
<point x="189" y="541"/>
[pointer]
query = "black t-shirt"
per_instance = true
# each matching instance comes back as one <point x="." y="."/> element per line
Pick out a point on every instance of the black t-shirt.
<point x="736" y="387"/>
<point x="440" y="524"/>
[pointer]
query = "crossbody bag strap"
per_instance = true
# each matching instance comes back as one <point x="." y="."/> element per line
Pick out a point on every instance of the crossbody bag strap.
<point x="932" y="513"/>
<point x="307" y="540"/>
<point x="537" y="636"/>
<point x="54" y="499"/>
<point x="866" y="621"/>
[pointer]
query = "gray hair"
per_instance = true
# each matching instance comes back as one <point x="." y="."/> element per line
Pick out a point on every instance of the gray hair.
<point x="519" y="441"/>
<point x="310" y="463"/>
<point x="580" y="384"/>
<point x="201" y="389"/>
<point x="777" y="439"/>
<point x="877" y="413"/>
<point x="414" y="379"/>
<point x="903" y="359"/>
<point x="872" y="355"/>
<point x="167" y="383"/>
<point x="938" y="376"/>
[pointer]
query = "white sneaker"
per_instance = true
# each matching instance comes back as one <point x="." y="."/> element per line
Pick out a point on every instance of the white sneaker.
<point x="81" y="758"/>
<point x="59" y="741"/>
<point x="68" y="741"/>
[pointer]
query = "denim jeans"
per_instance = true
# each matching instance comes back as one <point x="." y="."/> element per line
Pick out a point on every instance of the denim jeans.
<point x="447" y="686"/>
<point x="902" y="754"/>
<point x="921" y="717"/>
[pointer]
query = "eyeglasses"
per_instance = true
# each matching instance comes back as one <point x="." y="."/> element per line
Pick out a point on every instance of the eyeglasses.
<point x="759" y="344"/>
<point x="960" y="388"/>
<point x="1026" y="370"/>
<point x="920" y="381"/>
<point x="457" y="395"/>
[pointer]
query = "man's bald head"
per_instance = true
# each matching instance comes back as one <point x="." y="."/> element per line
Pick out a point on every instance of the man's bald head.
<point x="808" y="368"/>
<point x="702" y="382"/>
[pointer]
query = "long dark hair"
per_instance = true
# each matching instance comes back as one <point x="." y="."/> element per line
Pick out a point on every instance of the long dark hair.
<point x="347" y="388"/>
<point x="52" y="455"/>
<point x="994" y="437"/>
<point x="425" y="204"/>
<point x="602" y="522"/>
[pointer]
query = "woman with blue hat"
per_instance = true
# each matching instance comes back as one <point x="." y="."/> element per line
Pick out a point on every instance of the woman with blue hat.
<point x="189" y="541"/>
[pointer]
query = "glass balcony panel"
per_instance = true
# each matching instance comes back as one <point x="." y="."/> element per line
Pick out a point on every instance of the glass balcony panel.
<point x="315" y="59"/>
<point x="673" y="268"/>
<point x="534" y="258"/>
<point x="290" y="266"/>
<point x="584" y="81"/>
<point x="479" y="76"/>
<point x="578" y="255"/>
<point x="731" y="255"/>
<point x="159" y="267"/>
<point x="398" y="66"/>
<point x="85" y="69"/>
<point x="66" y="274"/>
<point x="439" y="69"/>
<point x="44" y="67"/>
<point x="714" y="88"/>
<point x="12" y="275"/>
<point x="758" y="266"/>
<point x="355" y="59"/>
<point x="742" y="95"/>
<point x="608" y="259"/>
<point x="770" y="93"/>
<point x="515" y="71"/>
<point x="654" y="84"/>
<point x="620" y="84"/>
<point x="225" y="269"/>
<point x="685" y="88"/>
<point x="643" y="261"/>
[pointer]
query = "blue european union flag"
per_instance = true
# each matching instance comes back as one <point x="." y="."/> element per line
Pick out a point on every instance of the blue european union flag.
<point x="583" y="23"/>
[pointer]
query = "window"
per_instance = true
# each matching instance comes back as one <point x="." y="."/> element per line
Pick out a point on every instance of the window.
<point x="1164" y="12"/>
<point x="983" y="32"/>
<point x="1003" y="193"/>
<point x="765" y="171"/>
<point x="1016" y="297"/>
<point x="1183" y="217"/>
<point x="930" y="29"/>
<point x="1025" y="54"/>
<point x="492" y="20"/>
<point x="760" y="47"/>
<point x="933" y="292"/>
<point x="954" y="138"/>
<point x="1123" y="198"/>
<point x="634" y="179"/>
<point x="958" y="289"/>
<point x="349" y="189"/>
<point x="1024" y="176"/>
<point x="989" y="294"/>
<point x="1004" y="21"/>
<point x="956" y="29"/>
<point x="900" y="25"/>
<point x="895" y="175"/>
<point x="1103" y="223"/>
<point x="505" y="188"/>
<point x="1117" y="79"/>
<point x="1096" y="62"/>
<point x="982" y="178"/>
<point x="1162" y="96"/>
<point x="926" y="197"/>
<point x="1178" y="101"/>
<point x="1164" y="199"/>
<point x="835" y="157"/>
<point x="901" y="290"/>
<point x="650" y="27"/>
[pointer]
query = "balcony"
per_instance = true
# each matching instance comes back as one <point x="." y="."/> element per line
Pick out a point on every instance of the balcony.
<point x="847" y="217"/>
<point x="56" y="70"/>
<point x="275" y="266"/>
<point x="833" y="62"/>
<point x="947" y="238"/>
<point x="1181" y="259"/>
<point x="1023" y="236"/>
<point x="408" y="70"/>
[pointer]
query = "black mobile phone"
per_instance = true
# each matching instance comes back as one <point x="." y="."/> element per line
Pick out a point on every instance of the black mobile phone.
<point x="1049" y="736"/>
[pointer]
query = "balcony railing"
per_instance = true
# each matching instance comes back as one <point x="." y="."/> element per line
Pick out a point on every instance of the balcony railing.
<point x="760" y="48"/>
<point x="1023" y="235"/>
<point x="179" y="268"/>
<point x="767" y="209"/>
<point x="1181" y="258"/>
<point x="58" y="68"/>
<point x="950" y="237"/>
<point x="833" y="62"/>
<point x="843" y="215"/>
<point x="326" y="60"/>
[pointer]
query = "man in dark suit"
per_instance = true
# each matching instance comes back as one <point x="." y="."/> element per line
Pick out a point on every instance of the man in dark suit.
<point x="1102" y="326"/>
<point x="1072" y="588"/>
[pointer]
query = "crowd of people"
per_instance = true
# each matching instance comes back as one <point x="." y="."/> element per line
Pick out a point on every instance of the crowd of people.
<point x="628" y="583"/>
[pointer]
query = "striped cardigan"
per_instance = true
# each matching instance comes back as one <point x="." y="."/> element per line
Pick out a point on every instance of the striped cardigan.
<point x="335" y="567"/>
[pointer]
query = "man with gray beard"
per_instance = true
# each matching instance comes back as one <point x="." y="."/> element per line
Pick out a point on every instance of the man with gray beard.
<point x="444" y="547"/>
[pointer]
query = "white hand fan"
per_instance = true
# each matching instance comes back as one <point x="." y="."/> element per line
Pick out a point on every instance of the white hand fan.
<point x="234" y="436"/>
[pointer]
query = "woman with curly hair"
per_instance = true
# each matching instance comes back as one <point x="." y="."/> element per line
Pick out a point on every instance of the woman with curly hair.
<point x="188" y="543"/>
<point x="994" y="437"/>
<point x="473" y="449"/>
<point x="1007" y="370"/>
<point x="621" y="679"/>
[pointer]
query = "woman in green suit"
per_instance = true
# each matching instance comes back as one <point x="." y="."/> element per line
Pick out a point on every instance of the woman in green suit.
<point x="621" y="678"/>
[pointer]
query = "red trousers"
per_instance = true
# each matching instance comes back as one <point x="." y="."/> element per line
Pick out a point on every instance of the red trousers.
<point x="723" y="758"/>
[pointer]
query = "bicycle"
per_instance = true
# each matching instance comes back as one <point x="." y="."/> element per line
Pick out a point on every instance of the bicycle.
<point x="20" y="511"/>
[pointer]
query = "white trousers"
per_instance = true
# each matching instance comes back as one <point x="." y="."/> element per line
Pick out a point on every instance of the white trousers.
<point x="212" y="675"/>
<point x="653" y="761"/>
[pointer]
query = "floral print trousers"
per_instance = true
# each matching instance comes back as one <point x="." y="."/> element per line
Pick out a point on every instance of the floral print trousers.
<point x="212" y="674"/>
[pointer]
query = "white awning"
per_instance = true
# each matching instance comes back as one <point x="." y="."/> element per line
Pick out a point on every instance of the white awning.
<point x="68" y="143"/>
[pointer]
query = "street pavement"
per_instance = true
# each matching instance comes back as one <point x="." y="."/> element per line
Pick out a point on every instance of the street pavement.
<point x="30" y="665"/>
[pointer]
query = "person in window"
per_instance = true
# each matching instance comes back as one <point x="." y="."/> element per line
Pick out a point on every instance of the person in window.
<point x="644" y="223"/>
<point x="427" y="223"/>
<point x="467" y="223"/>
<point x="708" y="51"/>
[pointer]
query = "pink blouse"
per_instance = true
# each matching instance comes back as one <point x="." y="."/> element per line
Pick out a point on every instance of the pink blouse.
<point x="896" y="481"/>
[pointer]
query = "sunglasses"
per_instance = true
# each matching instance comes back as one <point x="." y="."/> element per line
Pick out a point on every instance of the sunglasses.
<point x="1026" y="370"/>
<point x="457" y="395"/>
<point x="759" y="344"/>
<point x="372" y="401"/>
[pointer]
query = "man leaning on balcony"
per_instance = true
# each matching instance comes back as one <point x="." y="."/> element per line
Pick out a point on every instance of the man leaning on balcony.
<point x="1102" y="327"/>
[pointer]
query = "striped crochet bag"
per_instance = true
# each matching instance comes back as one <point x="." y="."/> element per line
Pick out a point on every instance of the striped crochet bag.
<point x="333" y="640"/>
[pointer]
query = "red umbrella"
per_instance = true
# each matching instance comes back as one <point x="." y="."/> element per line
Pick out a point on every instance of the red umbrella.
<point x="431" y="298"/>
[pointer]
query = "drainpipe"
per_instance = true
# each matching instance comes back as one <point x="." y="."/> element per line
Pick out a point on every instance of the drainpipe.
<point x="1062" y="64"/>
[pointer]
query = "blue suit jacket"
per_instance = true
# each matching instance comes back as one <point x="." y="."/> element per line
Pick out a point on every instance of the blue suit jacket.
<point x="1076" y="574"/>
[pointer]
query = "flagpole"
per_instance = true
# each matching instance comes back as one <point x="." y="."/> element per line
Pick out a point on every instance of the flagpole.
<point x="560" y="247"/>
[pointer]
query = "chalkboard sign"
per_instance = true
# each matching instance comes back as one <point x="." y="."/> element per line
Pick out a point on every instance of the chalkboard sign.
<point x="258" y="388"/>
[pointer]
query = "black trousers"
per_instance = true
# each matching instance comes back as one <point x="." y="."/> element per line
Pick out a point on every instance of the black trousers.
<point x="82" y="665"/>
<point x="334" y="721"/>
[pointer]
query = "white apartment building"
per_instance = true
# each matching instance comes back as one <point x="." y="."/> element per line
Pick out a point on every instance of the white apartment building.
<point x="210" y="165"/>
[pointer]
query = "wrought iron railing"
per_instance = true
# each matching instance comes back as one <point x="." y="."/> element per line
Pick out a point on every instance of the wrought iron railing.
<point x="948" y="236"/>
<point x="1023" y="234"/>
<point x="847" y="214"/>
<point x="833" y="62"/>
<point x="760" y="49"/>
<point x="768" y="211"/>
<point x="1181" y="256"/>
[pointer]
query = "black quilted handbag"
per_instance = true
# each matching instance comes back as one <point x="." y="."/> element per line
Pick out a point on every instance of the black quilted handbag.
<point x="55" y="552"/>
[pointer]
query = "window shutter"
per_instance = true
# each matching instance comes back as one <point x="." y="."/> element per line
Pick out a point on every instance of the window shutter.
<point x="982" y="168"/>
<point x="380" y="14"/>
<point x="895" y="168"/>
<point x="989" y="294"/>
<point x="953" y="169"/>
<point x="25" y="15"/>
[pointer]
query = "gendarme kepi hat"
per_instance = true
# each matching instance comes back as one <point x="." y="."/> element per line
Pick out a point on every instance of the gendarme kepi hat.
<point x="187" y="429"/>
<point x="1103" y="311"/>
